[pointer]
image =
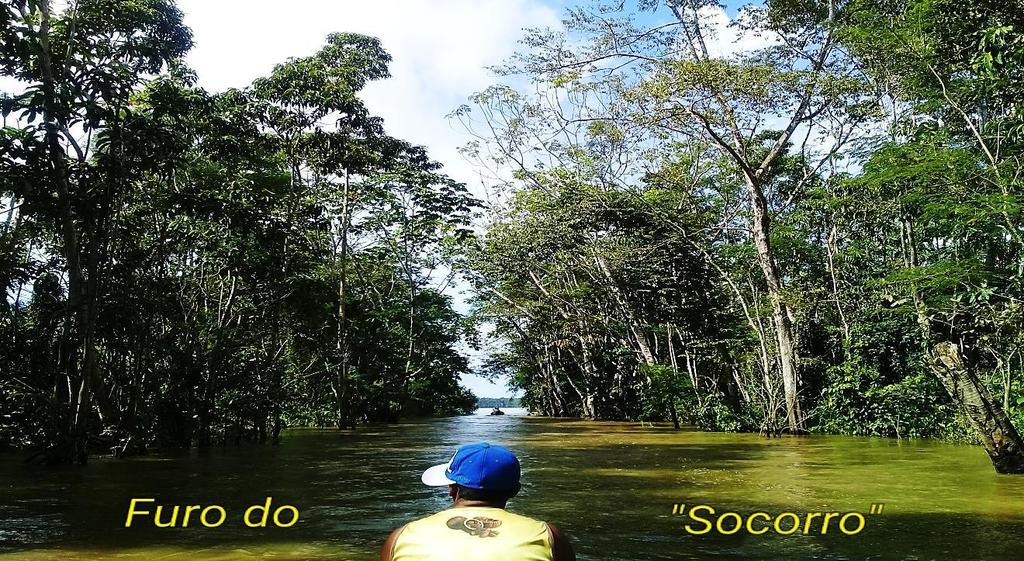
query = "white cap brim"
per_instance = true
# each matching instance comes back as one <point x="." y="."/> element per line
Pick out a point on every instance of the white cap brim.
<point x="435" y="476"/>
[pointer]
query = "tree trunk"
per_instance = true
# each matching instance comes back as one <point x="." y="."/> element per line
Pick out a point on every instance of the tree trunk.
<point x="74" y="438"/>
<point x="1001" y="440"/>
<point x="643" y="348"/>
<point x="558" y="398"/>
<point x="10" y="216"/>
<point x="998" y="435"/>
<point x="675" y="416"/>
<point x="831" y="251"/>
<point x="780" y="314"/>
<point x="341" y="386"/>
<point x="591" y="375"/>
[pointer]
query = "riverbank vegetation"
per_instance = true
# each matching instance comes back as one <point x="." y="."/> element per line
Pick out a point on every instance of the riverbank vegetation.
<point x="184" y="267"/>
<point x="806" y="220"/>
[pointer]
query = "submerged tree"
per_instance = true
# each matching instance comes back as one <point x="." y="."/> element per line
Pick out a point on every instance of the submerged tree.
<point x="856" y="169"/>
<point x="951" y="177"/>
<point x="632" y="91"/>
<point x="80" y="68"/>
<point x="610" y="306"/>
<point x="185" y="268"/>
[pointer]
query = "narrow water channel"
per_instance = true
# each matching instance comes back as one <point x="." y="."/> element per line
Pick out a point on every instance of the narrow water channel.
<point x="612" y="486"/>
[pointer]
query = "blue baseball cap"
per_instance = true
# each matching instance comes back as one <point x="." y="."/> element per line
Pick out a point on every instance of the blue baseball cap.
<point x="477" y="466"/>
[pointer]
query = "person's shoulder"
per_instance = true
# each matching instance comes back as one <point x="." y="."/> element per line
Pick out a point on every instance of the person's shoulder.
<point x="523" y="519"/>
<point x="411" y="530"/>
<point x="512" y="514"/>
<point x="429" y="520"/>
<point x="387" y="550"/>
<point x="561" y="547"/>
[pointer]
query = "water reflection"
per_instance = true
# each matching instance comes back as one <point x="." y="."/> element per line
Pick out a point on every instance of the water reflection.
<point x="611" y="485"/>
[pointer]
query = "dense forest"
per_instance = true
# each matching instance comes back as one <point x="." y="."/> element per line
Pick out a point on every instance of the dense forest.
<point x="808" y="219"/>
<point x="185" y="267"/>
<point x="817" y="227"/>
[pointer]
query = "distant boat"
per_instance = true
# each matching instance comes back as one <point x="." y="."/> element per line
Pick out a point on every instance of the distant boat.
<point x="496" y="411"/>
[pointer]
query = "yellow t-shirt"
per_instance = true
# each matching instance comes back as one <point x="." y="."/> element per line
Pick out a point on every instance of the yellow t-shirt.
<point x="474" y="534"/>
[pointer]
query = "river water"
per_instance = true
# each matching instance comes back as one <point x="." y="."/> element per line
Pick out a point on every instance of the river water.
<point x="612" y="486"/>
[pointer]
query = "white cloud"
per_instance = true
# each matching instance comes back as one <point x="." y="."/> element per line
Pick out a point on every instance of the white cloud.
<point x="726" y="39"/>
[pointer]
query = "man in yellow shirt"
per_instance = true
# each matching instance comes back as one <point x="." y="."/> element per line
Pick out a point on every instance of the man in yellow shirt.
<point x="481" y="478"/>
